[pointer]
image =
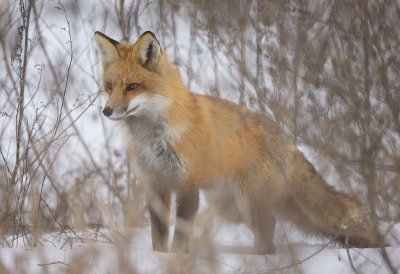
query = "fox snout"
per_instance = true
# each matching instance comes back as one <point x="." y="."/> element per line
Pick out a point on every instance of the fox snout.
<point x="116" y="113"/>
<point x="107" y="111"/>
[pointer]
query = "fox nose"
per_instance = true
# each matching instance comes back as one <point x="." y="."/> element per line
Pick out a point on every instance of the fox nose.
<point x="107" y="111"/>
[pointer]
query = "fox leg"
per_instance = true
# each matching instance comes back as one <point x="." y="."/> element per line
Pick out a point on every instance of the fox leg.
<point x="187" y="203"/>
<point x="263" y="226"/>
<point x="159" y="216"/>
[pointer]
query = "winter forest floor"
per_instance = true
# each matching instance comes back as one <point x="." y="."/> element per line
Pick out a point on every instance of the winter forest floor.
<point x="231" y="254"/>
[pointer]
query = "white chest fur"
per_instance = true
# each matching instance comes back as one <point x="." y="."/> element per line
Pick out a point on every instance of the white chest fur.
<point x="155" y="160"/>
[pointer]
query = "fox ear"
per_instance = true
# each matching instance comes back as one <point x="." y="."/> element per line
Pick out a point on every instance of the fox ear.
<point x="148" y="50"/>
<point x="107" y="47"/>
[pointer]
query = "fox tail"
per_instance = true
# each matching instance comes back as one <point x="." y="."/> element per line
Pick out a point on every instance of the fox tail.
<point x="318" y="209"/>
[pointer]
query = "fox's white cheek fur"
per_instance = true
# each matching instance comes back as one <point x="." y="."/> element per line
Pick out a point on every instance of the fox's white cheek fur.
<point x="104" y="97"/>
<point x="151" y="106"/>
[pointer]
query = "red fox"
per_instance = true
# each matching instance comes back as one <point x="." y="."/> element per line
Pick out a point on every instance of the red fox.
<point x="184" y="142"/>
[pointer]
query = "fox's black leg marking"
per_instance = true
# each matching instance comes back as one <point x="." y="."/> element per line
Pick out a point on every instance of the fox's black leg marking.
<point x="187" y="203"/>
<point x="159" y="216"/>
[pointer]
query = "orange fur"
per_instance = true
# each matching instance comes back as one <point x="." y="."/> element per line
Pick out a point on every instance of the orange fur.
<point x="184" y="142"/>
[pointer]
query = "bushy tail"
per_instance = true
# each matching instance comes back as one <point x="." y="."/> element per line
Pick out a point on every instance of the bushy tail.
<point x="320" y="210"/>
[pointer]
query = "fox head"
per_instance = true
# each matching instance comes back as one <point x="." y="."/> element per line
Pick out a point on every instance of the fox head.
<point x="132" y="77"/>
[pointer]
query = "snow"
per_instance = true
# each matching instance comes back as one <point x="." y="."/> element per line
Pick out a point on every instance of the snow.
<point x="232" y="254"/>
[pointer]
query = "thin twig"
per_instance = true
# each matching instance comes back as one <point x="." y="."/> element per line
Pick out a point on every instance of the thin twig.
<point x="53" y="263"/>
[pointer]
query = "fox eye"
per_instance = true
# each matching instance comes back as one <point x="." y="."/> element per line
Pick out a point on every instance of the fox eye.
<point x="108" y="86"/>
<point x="131" y="86"/>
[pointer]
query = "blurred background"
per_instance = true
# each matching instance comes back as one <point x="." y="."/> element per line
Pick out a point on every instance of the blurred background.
<point x="326" y="71"/>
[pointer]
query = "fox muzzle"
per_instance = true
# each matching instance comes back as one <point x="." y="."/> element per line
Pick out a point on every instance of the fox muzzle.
<point x="107" y="111"/>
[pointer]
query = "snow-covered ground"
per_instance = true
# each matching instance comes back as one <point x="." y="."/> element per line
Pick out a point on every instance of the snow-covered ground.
<point x="232" y="254"/>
